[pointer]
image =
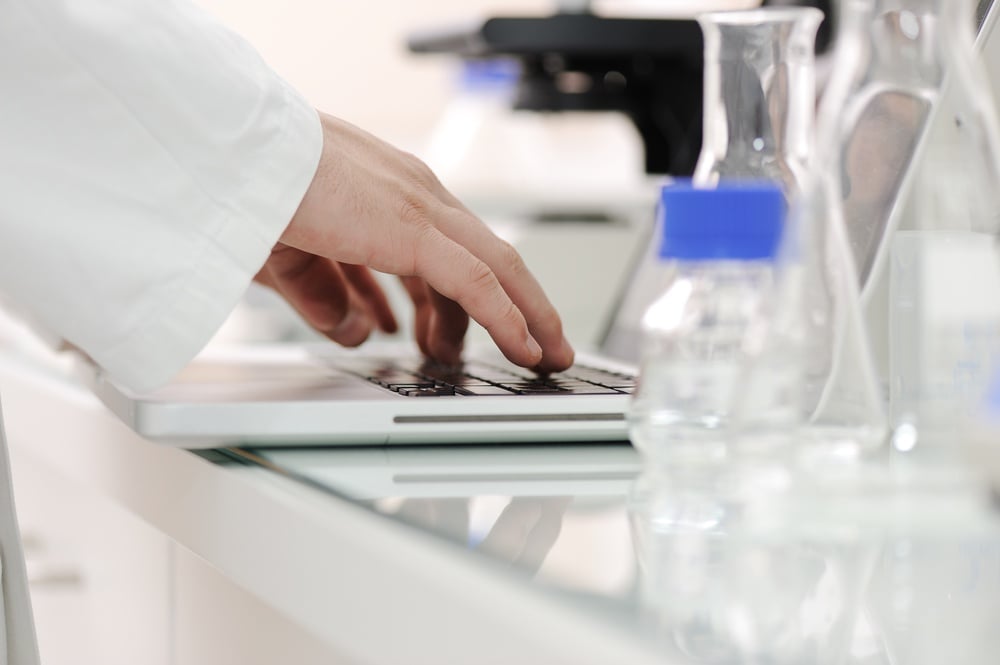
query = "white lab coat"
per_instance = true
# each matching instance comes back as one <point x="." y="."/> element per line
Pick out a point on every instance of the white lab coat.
<point x="149" y="160"/>
<point x="17" y="628"/>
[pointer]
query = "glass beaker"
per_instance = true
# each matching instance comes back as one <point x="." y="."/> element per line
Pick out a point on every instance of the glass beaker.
<point x="759" y="95"/>
<point x="910" y="150"/>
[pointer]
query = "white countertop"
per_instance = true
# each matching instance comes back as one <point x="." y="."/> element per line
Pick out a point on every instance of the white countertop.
<point x="374" y="588"/>
<point x="527" y="554"/>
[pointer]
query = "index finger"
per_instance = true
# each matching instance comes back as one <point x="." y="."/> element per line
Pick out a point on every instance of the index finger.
<point x="516" y="280"/>
<point x="454" y="272"/>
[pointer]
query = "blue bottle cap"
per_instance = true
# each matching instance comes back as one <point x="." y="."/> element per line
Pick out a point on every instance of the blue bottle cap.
<point x="736" y="221"/>
<point x="489" y="74"/>
<point x="992" y="402"/>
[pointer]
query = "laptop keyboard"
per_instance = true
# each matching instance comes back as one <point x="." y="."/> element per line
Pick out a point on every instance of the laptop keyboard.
<point x="475" y="378"/>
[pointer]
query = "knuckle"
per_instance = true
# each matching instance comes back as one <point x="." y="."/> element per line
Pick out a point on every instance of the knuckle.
<point x="480" y="277"/>
<point x="512" y="259"/>
<point x="419" y="170"/>
<point x="482" y="280"/>
<point x="418" y="243"/>
<point x="414" y="210"/>
<point x="416" y="233"/>
<point x="508" y="317"/>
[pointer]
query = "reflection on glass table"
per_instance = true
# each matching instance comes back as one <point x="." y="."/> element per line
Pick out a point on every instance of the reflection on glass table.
<point x="732" y="573"/>
<point x="876" y="568"/>
<point x="886" y="564"/>
<point x="530" y="508"/>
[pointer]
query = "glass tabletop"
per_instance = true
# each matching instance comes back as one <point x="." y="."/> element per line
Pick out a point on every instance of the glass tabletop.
<point x="531" y="509"/>
<point x="869" y="567"/>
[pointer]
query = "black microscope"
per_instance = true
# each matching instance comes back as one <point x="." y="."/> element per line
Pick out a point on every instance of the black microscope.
<point x="650" y="69"/>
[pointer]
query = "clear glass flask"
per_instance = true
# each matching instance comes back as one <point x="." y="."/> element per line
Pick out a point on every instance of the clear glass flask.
<point x="761" y="136"/>
<point x="759" y="109"/>
<point x="911" y="155"/>
<point x="759" y="95"/>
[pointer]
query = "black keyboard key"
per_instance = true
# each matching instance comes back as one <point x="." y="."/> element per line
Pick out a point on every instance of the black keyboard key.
<point x="437" y="391"/>
<point x="487" y="390"/>
<point x="411" y="385"/>
<point x="398" y="379"/>
<point x="531" y="388"/>
<point x="599" y="376"/>
<point x="476" y="378"/>
<point x="569" y="384"/>
<point x="592" y="389"/>
<point x="496" y="374"/>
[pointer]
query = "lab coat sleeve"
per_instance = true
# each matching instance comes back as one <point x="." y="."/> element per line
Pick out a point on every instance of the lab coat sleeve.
<point x="149" y="160"/>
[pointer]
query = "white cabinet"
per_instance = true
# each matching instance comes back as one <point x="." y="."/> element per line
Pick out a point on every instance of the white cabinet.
<point x="99" y="576"/>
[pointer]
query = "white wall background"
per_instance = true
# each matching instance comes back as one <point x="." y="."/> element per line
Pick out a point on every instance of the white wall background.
<point x="350" y="58"/>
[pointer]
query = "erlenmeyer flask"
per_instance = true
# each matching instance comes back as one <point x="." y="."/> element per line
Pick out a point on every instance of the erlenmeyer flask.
<point x="759" y="95"/>
<point x="763" y="134"/>
<point x="912" y="156"/>
<point x="820" y="322"/>
<point x="759" y="106"/>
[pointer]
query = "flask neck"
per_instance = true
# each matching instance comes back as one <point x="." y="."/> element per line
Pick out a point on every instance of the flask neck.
<point x="759" y="94"/>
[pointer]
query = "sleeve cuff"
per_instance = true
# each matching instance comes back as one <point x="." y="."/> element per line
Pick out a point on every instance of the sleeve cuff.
<point x="229" y="258"/>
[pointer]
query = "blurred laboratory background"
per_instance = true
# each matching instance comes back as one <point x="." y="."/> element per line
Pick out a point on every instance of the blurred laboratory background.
<point x="774" y="544"/>
<point x="569" y="189"/>
<point x="556" y="128"/>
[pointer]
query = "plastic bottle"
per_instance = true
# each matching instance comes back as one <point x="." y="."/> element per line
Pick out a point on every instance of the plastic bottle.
<point x="708" y="327"/>
<point x="469" y="147"/>
<point x="737" y="563"/>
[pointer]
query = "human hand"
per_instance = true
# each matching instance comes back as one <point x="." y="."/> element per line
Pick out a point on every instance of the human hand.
<point x="523" y="534"/>
<point x="373" y="206"/>
<point x="342" y="301"/>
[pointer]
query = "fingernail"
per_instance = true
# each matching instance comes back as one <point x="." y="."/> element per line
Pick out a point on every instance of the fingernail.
<point x="533" y="349"/>
<point x="567" y="349"/>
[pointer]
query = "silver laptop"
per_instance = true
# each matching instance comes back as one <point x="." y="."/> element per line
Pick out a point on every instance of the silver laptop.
<point x="286" y="395"/>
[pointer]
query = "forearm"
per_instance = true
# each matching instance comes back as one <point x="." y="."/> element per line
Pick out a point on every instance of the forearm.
<point x="149" y="162"/>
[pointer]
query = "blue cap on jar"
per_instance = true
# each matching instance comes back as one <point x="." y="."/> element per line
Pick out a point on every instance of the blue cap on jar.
<point x="740" y="221"/>
<point x="992" y="402"/>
